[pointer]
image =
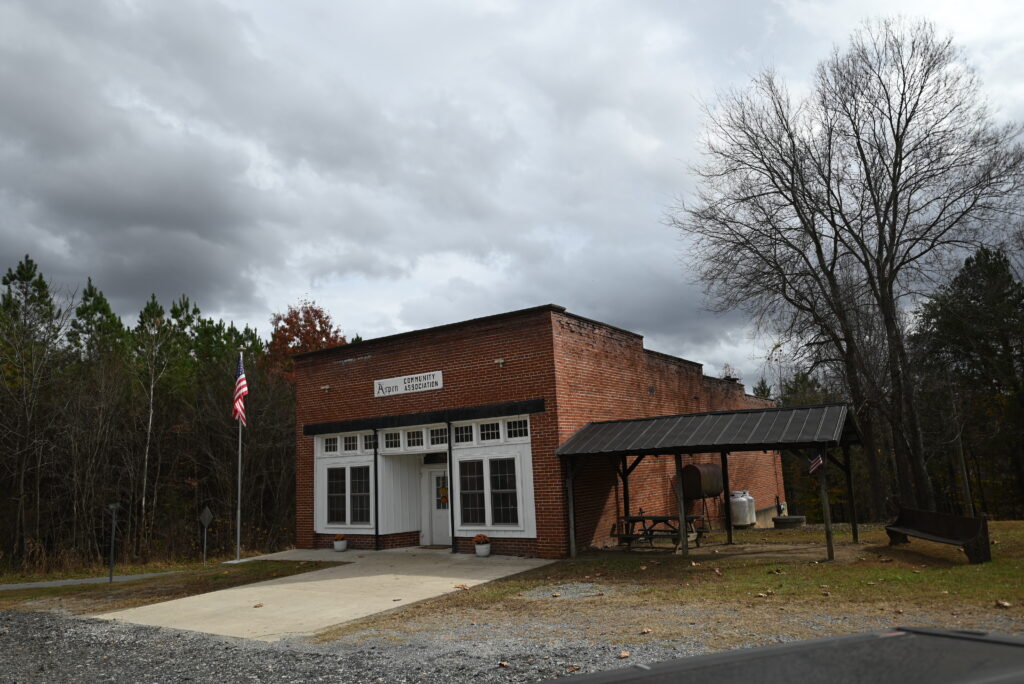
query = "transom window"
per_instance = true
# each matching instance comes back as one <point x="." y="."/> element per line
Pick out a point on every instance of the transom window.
<point x="438" y="436"/>
<point x="420" y="438"/>
<point x="490" y="431"/>
<point x="463" y="434"/>
<point x="517" y="428"/>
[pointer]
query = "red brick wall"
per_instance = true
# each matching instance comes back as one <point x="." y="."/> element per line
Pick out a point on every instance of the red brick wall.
<point x="501" y="547"/>
<point x="465" y="353"/>
<point x="366" y="541"/>
<point x="584" y="370"/>
<point x="605" y="374"/>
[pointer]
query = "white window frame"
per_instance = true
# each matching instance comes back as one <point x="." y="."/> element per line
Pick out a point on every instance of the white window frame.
<point x="414" y="447"/>
<point x="472" y="435"/>
<point x="320" y="485"/>
<point x="526" y="420"/>
<point x="495" y="440"/>
<point x="488" y="523"/>
<point x="429" y="432"/>
<point x="383" y="443"/>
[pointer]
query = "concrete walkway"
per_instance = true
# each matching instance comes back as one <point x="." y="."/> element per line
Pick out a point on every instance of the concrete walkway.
<point x="84" y="580"/>
<point x="370" y="582"/>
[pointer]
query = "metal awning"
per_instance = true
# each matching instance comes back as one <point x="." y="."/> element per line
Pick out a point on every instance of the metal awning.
<point x="811" y="428"/>
<point x="804" y="427"/>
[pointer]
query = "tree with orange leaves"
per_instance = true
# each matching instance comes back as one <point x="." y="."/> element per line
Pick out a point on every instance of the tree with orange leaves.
<point x="306" y="327"/>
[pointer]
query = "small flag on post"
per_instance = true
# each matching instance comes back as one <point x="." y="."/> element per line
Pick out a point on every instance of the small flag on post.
<point x="241" y="389"/>
<point x="816" y="463"/>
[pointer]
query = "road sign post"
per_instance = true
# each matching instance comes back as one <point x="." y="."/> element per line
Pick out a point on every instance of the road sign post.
<point x="206" y="517"/>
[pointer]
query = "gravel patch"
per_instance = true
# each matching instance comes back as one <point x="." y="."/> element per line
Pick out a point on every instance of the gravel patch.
<point x="570" y="590"/>
<point x="46" y="647"/>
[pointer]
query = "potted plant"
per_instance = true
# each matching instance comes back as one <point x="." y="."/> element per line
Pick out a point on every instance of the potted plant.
<point x="483" y="544"/>
<point x="340" y="542"/>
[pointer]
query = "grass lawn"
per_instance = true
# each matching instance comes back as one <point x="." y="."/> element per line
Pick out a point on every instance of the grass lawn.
<point x="193" y="579"/>
<point x="8" y="576"/>
<point x="771" y="585"/>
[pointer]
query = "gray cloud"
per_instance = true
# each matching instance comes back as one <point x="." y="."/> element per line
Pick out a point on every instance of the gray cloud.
<point x="405" y="164"/>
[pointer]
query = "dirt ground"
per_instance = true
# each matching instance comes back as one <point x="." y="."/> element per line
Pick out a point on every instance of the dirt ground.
<point x="590" y="608"/>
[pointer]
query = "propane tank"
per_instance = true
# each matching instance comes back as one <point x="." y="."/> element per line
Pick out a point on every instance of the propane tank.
<point x="741" y="506"/>
<point x="751" y="509"/>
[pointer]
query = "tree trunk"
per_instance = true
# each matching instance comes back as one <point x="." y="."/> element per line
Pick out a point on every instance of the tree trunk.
<point x="864" y="423"/>
<point x="907" y="432"/>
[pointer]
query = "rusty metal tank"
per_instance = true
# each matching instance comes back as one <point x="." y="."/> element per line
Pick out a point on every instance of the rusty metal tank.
<point x="702" y="481"/>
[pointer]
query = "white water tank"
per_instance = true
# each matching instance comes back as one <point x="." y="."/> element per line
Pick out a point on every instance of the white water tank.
<point x="741" y="506"/>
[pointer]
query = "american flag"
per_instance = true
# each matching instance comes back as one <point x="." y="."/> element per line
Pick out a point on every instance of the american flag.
<point x="241" y="389"/>
<point x="814" y="465"/>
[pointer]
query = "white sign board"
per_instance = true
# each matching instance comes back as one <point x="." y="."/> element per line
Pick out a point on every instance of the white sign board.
<point x="408" y="383"/>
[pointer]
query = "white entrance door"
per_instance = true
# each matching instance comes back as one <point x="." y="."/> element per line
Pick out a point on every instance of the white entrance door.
<point x="439" y="522"/>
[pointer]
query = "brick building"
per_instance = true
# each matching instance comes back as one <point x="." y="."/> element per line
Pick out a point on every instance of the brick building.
<point x="382" y="422"/>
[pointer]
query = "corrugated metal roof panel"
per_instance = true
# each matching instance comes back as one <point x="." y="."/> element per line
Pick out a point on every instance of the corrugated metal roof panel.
<point x="751" y="430"/>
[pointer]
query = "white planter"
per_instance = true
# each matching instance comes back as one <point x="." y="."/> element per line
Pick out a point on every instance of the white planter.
<point x="341" y="545"/>
<point x="483" y="550"/>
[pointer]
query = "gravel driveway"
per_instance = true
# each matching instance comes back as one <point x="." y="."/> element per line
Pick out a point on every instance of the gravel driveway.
<point x="45" y="647"/>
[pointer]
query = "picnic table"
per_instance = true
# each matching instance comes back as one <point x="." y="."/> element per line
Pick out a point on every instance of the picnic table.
<point x="647" y="528"/>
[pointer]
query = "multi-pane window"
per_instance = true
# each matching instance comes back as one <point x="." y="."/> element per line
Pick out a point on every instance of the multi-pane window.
<point x="438" y="436"/>
<point x="336" y="495"/>
<point x="348" y="495"/>
<point x="471" y="492"/>
<point x="490" y="431"/>
<point x="517" y="428"/>
<point x="370" y="442"/>
<point x="351" y="443"/>
<point x="360" y="494"/>
<point x="414" y="438"/>
<point x="463" y="434"/>
<point x="392" y="440"/>
<point x="504" y="507"/>
<point x="330" y="444"/>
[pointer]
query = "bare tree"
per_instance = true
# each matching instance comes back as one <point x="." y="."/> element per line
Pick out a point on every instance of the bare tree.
<point x="822" y="215"/>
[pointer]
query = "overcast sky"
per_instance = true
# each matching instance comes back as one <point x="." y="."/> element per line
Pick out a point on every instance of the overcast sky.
<point x="403" y="164"/>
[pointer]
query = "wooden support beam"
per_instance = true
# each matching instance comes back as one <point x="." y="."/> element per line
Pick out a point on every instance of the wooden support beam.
<point x="725" y="495"/>
<point x="570" y="502"/>
<point x="825" y="510"/>
<point x="848" y="470"/>
<point x="681" y="500"/>
<point x="633" y="465"/>
<point x="624" y="474"/>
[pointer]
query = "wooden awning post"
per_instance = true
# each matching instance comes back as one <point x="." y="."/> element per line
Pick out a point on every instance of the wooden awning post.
<point x="681" y="500"/>
<point x="825" y="510"/>
<point x="725" y="495"/>
<point x="624" y="474"/>
<point x="570" y="502"/>
<point x="848" y="469"/>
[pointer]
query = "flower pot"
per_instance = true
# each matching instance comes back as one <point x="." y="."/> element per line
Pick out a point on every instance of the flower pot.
<point x="341" y="545"/>
<point x="483" y="550"/>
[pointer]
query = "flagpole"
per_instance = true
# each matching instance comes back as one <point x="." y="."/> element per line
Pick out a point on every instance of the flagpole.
<point x="238" y="517"/>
